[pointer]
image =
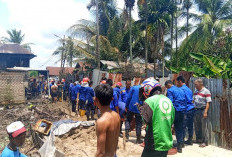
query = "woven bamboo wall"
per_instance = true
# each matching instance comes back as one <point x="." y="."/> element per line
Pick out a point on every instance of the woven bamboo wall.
<point x="12" y="87"/>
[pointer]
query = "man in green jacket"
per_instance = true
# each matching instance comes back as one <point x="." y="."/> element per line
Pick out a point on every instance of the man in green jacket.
<point x="158" y="113"/>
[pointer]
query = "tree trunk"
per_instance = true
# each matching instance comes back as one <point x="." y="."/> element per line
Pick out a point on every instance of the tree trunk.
<point x="130" y="35"/>
<point x="97" y="37"/>
<point x="162" y="49"/>
<point x="172" y="27"/>
<point x="176" y="36"/>
<point x="156" y="49"/>
<point x="187" y="18"/>
<point x="146" y="48"/>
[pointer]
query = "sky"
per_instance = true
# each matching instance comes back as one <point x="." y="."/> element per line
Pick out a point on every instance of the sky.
<point x="39" y="20"/>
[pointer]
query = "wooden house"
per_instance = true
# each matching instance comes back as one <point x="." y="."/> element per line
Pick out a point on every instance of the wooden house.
<point x="14" y="55"/>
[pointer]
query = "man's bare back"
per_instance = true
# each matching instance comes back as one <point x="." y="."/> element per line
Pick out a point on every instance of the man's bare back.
<point x="54" y="88"/>
<point x="108" y="129"/>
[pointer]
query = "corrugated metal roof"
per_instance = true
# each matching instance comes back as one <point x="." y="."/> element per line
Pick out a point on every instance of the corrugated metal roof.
<point x="14" y="49"/>
<point x="139" y="67"/>
<point x="55" y="71"/>
<point x="26" y="69"/>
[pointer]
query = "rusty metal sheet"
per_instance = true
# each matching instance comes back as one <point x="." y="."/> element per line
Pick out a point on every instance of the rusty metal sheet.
<point x="220" y="117"/>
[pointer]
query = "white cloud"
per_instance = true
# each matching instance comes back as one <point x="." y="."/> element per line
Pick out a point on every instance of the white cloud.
<point x="41" y="19"/>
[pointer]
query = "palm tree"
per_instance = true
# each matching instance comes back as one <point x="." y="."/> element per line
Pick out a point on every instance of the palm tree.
<point x="217" y="15"/>
<point x="85" y="44"/>
<point x="129" y="5"/>
<point x="187" y="6"/>
<point x="158" y="25"/>
<point x="16" y="37"/>
<point x="145" y="5"/>
<point x="68" y="51"/>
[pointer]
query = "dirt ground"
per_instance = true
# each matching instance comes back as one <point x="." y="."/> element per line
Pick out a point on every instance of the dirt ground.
<point x="83" y="142"/>
<point x="79" y="142"/>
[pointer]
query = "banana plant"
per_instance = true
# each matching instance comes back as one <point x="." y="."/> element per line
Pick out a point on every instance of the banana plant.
<point x="207" y="66"/>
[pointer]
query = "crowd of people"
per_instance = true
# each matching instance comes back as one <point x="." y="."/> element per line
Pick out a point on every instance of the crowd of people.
<point x="37" y="87"/>
<point x="147" y="104"/>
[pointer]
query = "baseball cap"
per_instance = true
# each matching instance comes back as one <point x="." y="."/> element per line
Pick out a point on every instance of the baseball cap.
<point x="16" y="128"/>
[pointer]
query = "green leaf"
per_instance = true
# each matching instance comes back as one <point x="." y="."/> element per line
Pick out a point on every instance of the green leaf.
<point x="211" y="66"/>
<point x="197" y="56"/>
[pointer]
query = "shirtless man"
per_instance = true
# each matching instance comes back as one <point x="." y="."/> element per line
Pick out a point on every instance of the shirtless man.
<point x="54" y="90"/>
<point x="108" y="126"/>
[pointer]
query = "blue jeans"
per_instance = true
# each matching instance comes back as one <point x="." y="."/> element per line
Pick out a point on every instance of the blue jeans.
<point x="188" y="122"/>
<point x="178" y="124"/>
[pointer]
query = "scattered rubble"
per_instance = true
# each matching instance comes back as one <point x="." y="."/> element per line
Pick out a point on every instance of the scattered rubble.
<point x="78" y="142"/>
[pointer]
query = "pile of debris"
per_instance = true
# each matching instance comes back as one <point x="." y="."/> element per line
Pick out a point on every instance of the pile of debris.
<point x="68" y="136"/>
<point x="29" y="114"/>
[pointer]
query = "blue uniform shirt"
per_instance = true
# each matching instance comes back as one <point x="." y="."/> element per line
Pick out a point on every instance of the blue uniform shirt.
<point x="90" y="95"/>
<point x="189" y="97"/>
<point x="124" y="94"/>
<point x="177" y="96"/>
<point x="114" y="102"/>
<point x="117" y="90"/>
<point x="83" y="92"/>
<point x="74" y="91"/>
<point x="132" y="99"/>
<point x="50" y="86"/>
<point x="10" y="153"/>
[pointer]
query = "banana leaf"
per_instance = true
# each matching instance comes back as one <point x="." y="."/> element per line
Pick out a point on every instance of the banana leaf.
<point x="211" y="66"/>
<point x="197" y="56"/>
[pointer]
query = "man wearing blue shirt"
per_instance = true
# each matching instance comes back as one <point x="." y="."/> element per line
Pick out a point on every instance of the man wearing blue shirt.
<point x="189" y="114"/>
<point x="17" y="136"/>
<point x="74" y="90"/>
<point x="83" y="93"/>
<point x="131" y="108"/>
<point x="70" y="87"/>
<point x="177" y="96"/>
<point x="114" y="102"/>
<point x="117" y="89"/>
<point x="125" y="91"/>
<point x="122" y="102"/>
<point x="90" y="105"/>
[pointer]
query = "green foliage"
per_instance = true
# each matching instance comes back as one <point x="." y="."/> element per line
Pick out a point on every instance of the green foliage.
<point x="15" y="36"/>
<point x="33" y="73"/>
<point x="216" y="16"/>
<point x="208" y="66"/>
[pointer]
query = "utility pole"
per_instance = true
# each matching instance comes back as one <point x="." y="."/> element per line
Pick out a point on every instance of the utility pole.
<point x="97" y="37"/>
<point x="63" y="59"/>
<point x="62" y="53"/>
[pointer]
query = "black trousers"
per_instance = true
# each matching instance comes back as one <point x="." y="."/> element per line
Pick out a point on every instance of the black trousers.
<point x="179" y="126"/>
<point x="74" y="104"/>
<point x="154" y="153"/>
<point x="81" y="105"/>
<point x="138" y="122"/>
<point x="90" y="109"/>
